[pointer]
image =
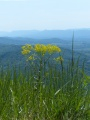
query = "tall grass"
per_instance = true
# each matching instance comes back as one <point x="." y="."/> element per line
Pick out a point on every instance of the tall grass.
<point x="53" y="92"/>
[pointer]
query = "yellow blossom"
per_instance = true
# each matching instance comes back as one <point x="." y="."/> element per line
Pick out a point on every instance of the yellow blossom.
<point x="26" y="49"/>
<point x="27" y="46"/>
<point x="52" y="49"/>
<point x="40" y="48"/>
<point x="31" y="57"/>
<point x="24" y="52"/>
<point x="59" y="59"/>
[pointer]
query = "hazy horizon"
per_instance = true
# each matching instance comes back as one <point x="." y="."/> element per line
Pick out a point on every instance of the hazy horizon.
<point x="72" y="29"/>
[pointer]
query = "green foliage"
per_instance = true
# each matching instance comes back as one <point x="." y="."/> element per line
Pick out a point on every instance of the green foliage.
<point x="45" y="91"/>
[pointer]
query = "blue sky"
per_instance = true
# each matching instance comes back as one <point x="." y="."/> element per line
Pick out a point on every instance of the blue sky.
<point x="44" y="14"/>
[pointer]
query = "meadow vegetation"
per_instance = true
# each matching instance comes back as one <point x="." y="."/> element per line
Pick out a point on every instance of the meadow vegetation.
<point x="46" y="89"/>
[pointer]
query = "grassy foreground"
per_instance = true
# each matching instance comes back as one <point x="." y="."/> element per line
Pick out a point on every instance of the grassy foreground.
<point x="45" y="90"/>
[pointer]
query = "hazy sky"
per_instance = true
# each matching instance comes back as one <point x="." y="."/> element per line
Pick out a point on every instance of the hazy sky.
<point x="44" y="14"/>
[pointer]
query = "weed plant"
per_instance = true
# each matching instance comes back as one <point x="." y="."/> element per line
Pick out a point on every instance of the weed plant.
<point x="45" y="89"/>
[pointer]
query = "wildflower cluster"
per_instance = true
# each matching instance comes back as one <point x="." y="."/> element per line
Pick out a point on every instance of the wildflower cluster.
<point x="26" y="49"/>
<point x="41" y="49"/>
<point x="52" y="49"/>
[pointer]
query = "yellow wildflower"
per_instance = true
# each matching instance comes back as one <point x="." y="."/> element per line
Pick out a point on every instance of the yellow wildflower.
<point x="31" y="57"/>
<point x="59" y="59"/>
<point x="40" y="48"/>
<point x="52" y="49"/>
<point x="24" y="52"/>
<point x="27" y="46"/>
<point x="26" y="49"/>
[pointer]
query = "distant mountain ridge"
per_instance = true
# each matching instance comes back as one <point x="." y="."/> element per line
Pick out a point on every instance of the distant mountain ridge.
<point x="47" y="34"/>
